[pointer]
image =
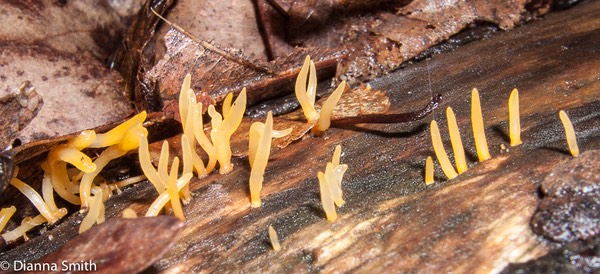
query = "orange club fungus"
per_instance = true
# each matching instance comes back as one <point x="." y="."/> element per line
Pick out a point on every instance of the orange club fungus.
<point x="514" y="122"/>
<point x="481" y="146"/>
<point x="274" y="239"/>
<point x="428" y="171"/>
<point x="440" y="151"/>
<point x="570" y="133"/>
<point x="259" y="148"/>
<point x="330" y="185"/>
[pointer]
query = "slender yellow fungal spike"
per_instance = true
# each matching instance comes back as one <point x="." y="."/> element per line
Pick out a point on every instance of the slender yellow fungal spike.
<point x="481" y="146"/>
<point x="77" y="159"/>
<point x="201" y="138"/>
<point x="440" y="152"/>
<point x="222" y="131"/>
<point x="325" y="116"/>
<point x="184" y="96"/>
<point x="129" y="213"/>
<point x="261" y="149"/>
<point x="163" y="198"/>
<point x="457" y="147"/>
<point x="85" y="186"/>
<point x="27" y="224"/>
<point x="5" y="215"/>
<point x="163" y="163"/>
<point x="38" y="202"/>
<point x="337" y="153"/>
<point x="570" y="133"/>
<point x="116" y="135"/>
<point x="147" y="167"/>
<point x="187" y="166"/>
<point x="326" y="197"/>
<point x="306" y="97"/>
<point x="274" y="239"/>
<point x="91" y="218"/>
<point x="513" y="118"/>
<point x="173" y="191"/>
<point x="83" y="140"/>
<point x="428" y="171"/>
<point x="227" y="105"/>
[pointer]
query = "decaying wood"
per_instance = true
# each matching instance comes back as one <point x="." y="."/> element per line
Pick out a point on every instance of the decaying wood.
<point x="391" y="221"/>
<point x="128" y="245"/>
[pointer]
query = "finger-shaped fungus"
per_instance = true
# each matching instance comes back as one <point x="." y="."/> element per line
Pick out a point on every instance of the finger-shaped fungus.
<point x="173" y="191"/>
<point x="5" y="215"/>
<point x="457" y="147"/>
<point x="27" y="224"/>
<point x="222" y="129"/>
<point x="164" y="197"/>
<point x="440" y="152"/>
<point x="259" y="149"/>
<point x="325" y="115"/>
<point x="514" y="121"/>
<point x="306" y="92"/>
<point x="481" y="146"/>
<point x="570" y="133"/>
<point x="274" y="239"/>
<point x="428" y="171"/>
<point x="121" y="139"/>
<point x="51" y="215"/>
<point x="330" y="185"/>
<point x="95" y="213"/>
<point x="55" y="166"/>
<point x="326" y="198"/>
<point x="187" y="111"/>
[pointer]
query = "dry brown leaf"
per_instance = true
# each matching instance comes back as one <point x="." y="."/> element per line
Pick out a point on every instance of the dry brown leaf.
<point x="77" y="91"/>
<point x="68" y="26"/>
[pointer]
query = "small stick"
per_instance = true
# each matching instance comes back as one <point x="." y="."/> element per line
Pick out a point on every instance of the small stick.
<point x="214" y="48"/>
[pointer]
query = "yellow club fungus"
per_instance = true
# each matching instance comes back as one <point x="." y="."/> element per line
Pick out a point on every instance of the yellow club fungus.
<point x="428" y="171"/>
<point x="326" y="198"/>
<point x="259" y="148"/>
<point x="325" y="115"/>
<point x="121" y="139"/>
<point x="51" y="215"/>
<point x="27" y="224"/>
<point x="481" y="146"/>
<point x="5" y="215"/>
<point x="166" y="182"/>
<point x="223" y="128"/>
<point x="457" y="147"/>
<point x="146" y="164"/>
<point x="330" y="185"/>
<point x="514" y="121"/>
<point x="95" y="213"/>
<point x="440" y="152"/>
<point x="201" y="137"/>
<point x="274" y="239"/>
<point x="164" y="197"/>
<point x="173" y="191"/>
<point x="55" y="167"/>
<point x="129" y="213"/>
<point x="187" y="108"/>
<point x="570" y="133"/>
<point x="306" y="93"/>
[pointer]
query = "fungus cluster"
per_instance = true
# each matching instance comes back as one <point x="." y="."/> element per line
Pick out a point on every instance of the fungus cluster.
<point x="330" y="185"/>
<point x="80" y="184"/>
<point x="306" y="93"/>
<point x="479" y="136"/>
